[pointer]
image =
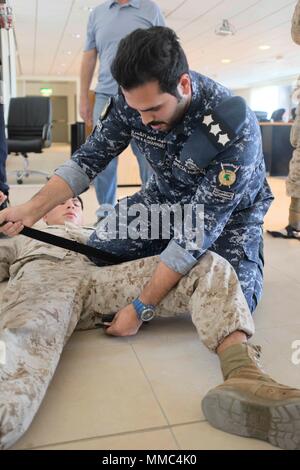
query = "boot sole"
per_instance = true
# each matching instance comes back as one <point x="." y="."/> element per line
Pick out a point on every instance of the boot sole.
<point x="235" y="413"/>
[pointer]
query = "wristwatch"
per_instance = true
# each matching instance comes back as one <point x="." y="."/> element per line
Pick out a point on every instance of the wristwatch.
<point x="144" y="312"/>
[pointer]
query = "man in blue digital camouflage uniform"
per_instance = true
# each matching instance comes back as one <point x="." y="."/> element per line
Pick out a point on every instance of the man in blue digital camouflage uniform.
<point x="205" y="148"/>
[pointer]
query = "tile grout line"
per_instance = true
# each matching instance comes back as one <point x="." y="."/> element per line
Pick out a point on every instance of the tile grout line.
<point x="105" y="436"/>
<point x="155" y="396"/>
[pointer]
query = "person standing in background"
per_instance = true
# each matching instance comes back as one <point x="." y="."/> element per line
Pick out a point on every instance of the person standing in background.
<point x="293" y="180"/>
<point x="5" y="23"/>
<point x="108" y="24"/>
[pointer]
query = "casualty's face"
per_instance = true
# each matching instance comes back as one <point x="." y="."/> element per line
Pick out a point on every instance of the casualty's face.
<point x="69" y="211"/>
<point x="161" y="111"/>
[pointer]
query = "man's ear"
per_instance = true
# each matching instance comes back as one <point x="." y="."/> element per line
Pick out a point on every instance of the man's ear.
<point x="184" y="85"/>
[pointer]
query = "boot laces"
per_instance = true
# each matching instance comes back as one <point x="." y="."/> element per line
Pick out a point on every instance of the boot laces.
<point x="256" y="355"/>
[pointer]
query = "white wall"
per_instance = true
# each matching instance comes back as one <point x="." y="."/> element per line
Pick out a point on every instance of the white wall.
<point x="284" y="89"/>
<point x="285" y="99"/>
<point x="8" y="57"/>
<point x="244" y="93"/>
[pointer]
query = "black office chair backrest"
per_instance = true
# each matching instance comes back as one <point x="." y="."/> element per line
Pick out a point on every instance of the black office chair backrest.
<point x="262" y="116"/>
<point x="29" y="118"/>
<point x="277" y="115"/>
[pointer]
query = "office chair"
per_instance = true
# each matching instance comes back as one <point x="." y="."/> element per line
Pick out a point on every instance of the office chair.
<point x="277" y="115"/>
<point x="262" y="116"/>
<point x="29" y="130"/>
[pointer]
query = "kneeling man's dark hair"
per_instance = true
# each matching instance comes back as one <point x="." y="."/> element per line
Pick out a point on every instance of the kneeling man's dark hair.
<point x="147" y="55"/>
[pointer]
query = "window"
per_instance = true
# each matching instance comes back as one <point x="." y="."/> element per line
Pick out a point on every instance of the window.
<point x="265" y="99"/>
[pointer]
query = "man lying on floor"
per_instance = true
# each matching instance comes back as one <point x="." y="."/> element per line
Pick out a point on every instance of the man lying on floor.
<point x="52" y="291"/>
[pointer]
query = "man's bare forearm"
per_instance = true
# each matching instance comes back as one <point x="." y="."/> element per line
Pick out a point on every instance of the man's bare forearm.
<point x="55" y="192"/>
<point x="88" y="65"/>
<point x="160" y="284"/>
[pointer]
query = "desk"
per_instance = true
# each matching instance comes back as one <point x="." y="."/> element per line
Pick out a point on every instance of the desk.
<point x="277" y="148"/>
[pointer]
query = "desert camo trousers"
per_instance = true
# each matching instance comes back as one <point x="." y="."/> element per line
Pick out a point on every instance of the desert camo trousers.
<point x="293" y="180"/>
<point x="47" y="299"/>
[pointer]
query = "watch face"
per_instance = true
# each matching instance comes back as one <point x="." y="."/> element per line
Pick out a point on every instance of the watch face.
<point x="147" y="314"/>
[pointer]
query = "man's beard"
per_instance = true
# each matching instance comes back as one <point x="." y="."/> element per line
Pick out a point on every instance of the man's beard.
<point x="180" y="112"/>
<point x="177" y="117"/>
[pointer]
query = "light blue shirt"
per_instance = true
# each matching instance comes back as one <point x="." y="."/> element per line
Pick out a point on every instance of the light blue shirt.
<point x="108" y="24"/>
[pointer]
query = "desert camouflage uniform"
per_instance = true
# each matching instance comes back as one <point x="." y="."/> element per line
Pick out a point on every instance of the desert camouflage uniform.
<point x="52" y="291"/>
<point x="293" y="181"/>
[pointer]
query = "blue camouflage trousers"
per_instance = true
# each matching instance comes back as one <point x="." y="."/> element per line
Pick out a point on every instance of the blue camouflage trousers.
<point x="240" y="244"/>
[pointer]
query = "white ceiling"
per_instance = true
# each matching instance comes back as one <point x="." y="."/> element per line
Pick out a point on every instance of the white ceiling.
<point x="45" y="32"/>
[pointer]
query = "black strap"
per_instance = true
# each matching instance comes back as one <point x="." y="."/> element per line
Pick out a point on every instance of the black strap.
<point x="90" y="251"/>
<point x="106" y="258"/>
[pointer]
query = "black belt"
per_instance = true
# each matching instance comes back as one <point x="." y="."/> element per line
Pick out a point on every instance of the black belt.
<point x="91" y="252"/>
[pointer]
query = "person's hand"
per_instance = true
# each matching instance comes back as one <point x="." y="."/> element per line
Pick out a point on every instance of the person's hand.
<point x="3" y="198"/>
<point x="125" y="323"/>
<point x="13" y="219"/>
<point x="85" y="111"/>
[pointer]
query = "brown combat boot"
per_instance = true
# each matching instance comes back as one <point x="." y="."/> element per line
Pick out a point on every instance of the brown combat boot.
<point x="251" y="404"/>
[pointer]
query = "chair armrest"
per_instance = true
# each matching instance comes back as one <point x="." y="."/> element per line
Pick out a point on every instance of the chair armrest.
<point x="46" y="134"/>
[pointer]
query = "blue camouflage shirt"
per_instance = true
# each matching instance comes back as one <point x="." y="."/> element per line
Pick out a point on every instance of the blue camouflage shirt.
<point x="212" y="157"/>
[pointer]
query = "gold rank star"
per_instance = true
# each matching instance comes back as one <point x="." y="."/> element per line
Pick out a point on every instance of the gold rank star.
<point x="223" y="139"/>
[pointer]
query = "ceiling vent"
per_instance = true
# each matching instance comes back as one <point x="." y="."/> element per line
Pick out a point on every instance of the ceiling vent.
<point x="225" y="29"/>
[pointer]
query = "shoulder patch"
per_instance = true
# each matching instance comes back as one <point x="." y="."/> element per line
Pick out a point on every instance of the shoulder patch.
<point x="231" y="115"/>
<point x="214" y="133"/>
<point x="224" y="122"/>
<point x="106" y="109"/>
<point x="227" y="176"/>
<point x="199" y="148"/>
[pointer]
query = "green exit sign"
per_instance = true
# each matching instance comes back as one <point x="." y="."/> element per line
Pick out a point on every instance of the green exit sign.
<point x="46" y="91"/>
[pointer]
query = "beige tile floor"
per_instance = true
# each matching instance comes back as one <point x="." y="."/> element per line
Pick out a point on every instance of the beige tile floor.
<point x="145" y="392"/>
